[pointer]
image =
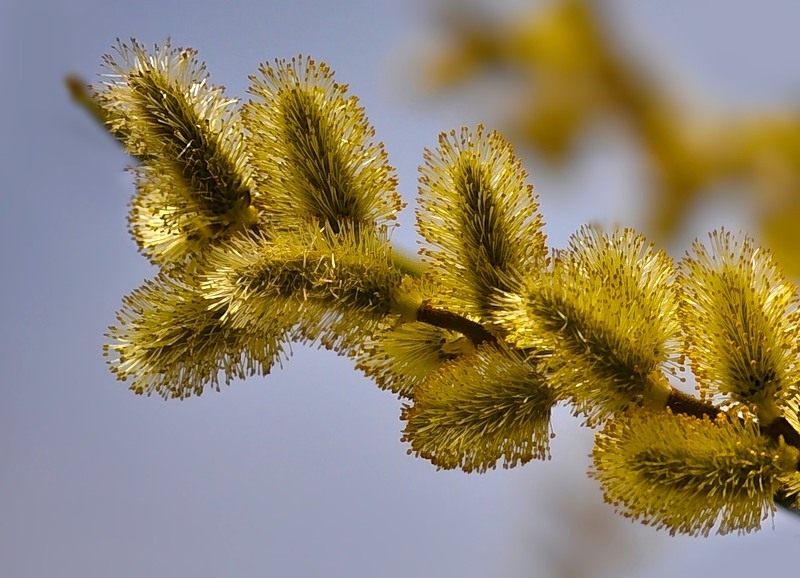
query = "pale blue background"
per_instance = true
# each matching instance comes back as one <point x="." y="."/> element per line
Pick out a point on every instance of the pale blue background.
<point x="300" y="474"/>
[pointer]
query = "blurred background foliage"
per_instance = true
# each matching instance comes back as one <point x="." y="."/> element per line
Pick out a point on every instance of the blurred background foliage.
<point x="571" y="67"/>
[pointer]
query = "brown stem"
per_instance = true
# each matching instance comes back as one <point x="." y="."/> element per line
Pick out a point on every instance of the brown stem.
<point x="680" y="402"/>
<point x="677" y="402"/>
<point x="781" y="427"/>
<point x="473" y="331"/>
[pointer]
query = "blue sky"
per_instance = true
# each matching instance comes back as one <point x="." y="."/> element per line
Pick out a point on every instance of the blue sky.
<point x="301" y="473"/>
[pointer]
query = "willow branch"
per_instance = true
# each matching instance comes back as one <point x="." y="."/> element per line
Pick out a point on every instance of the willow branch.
<point x="472" y="330"/>
<point x="82" y="93"/>
<point x="684" y="403"/>
<point x="678" y="402"/>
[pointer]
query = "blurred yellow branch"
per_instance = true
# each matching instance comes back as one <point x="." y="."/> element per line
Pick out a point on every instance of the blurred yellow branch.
<point x="573" y="73"/>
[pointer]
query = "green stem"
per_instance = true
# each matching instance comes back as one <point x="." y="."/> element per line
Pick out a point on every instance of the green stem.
<point x="407" y="262"/>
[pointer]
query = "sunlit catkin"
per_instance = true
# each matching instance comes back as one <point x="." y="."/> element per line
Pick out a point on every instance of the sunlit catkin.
<point x="313" y="152"/>
<point x="194" y="184"/>
<point x="483" y="408"/>
<point x="479" y="218"/>
<point x="689" y="475"/>
<point x="169" y="341"/>
<point x="741" y="325"/>
<point x="606" y="315"/>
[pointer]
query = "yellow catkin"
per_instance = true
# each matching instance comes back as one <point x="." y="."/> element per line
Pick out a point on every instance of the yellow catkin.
<point x="688" y="475"/>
